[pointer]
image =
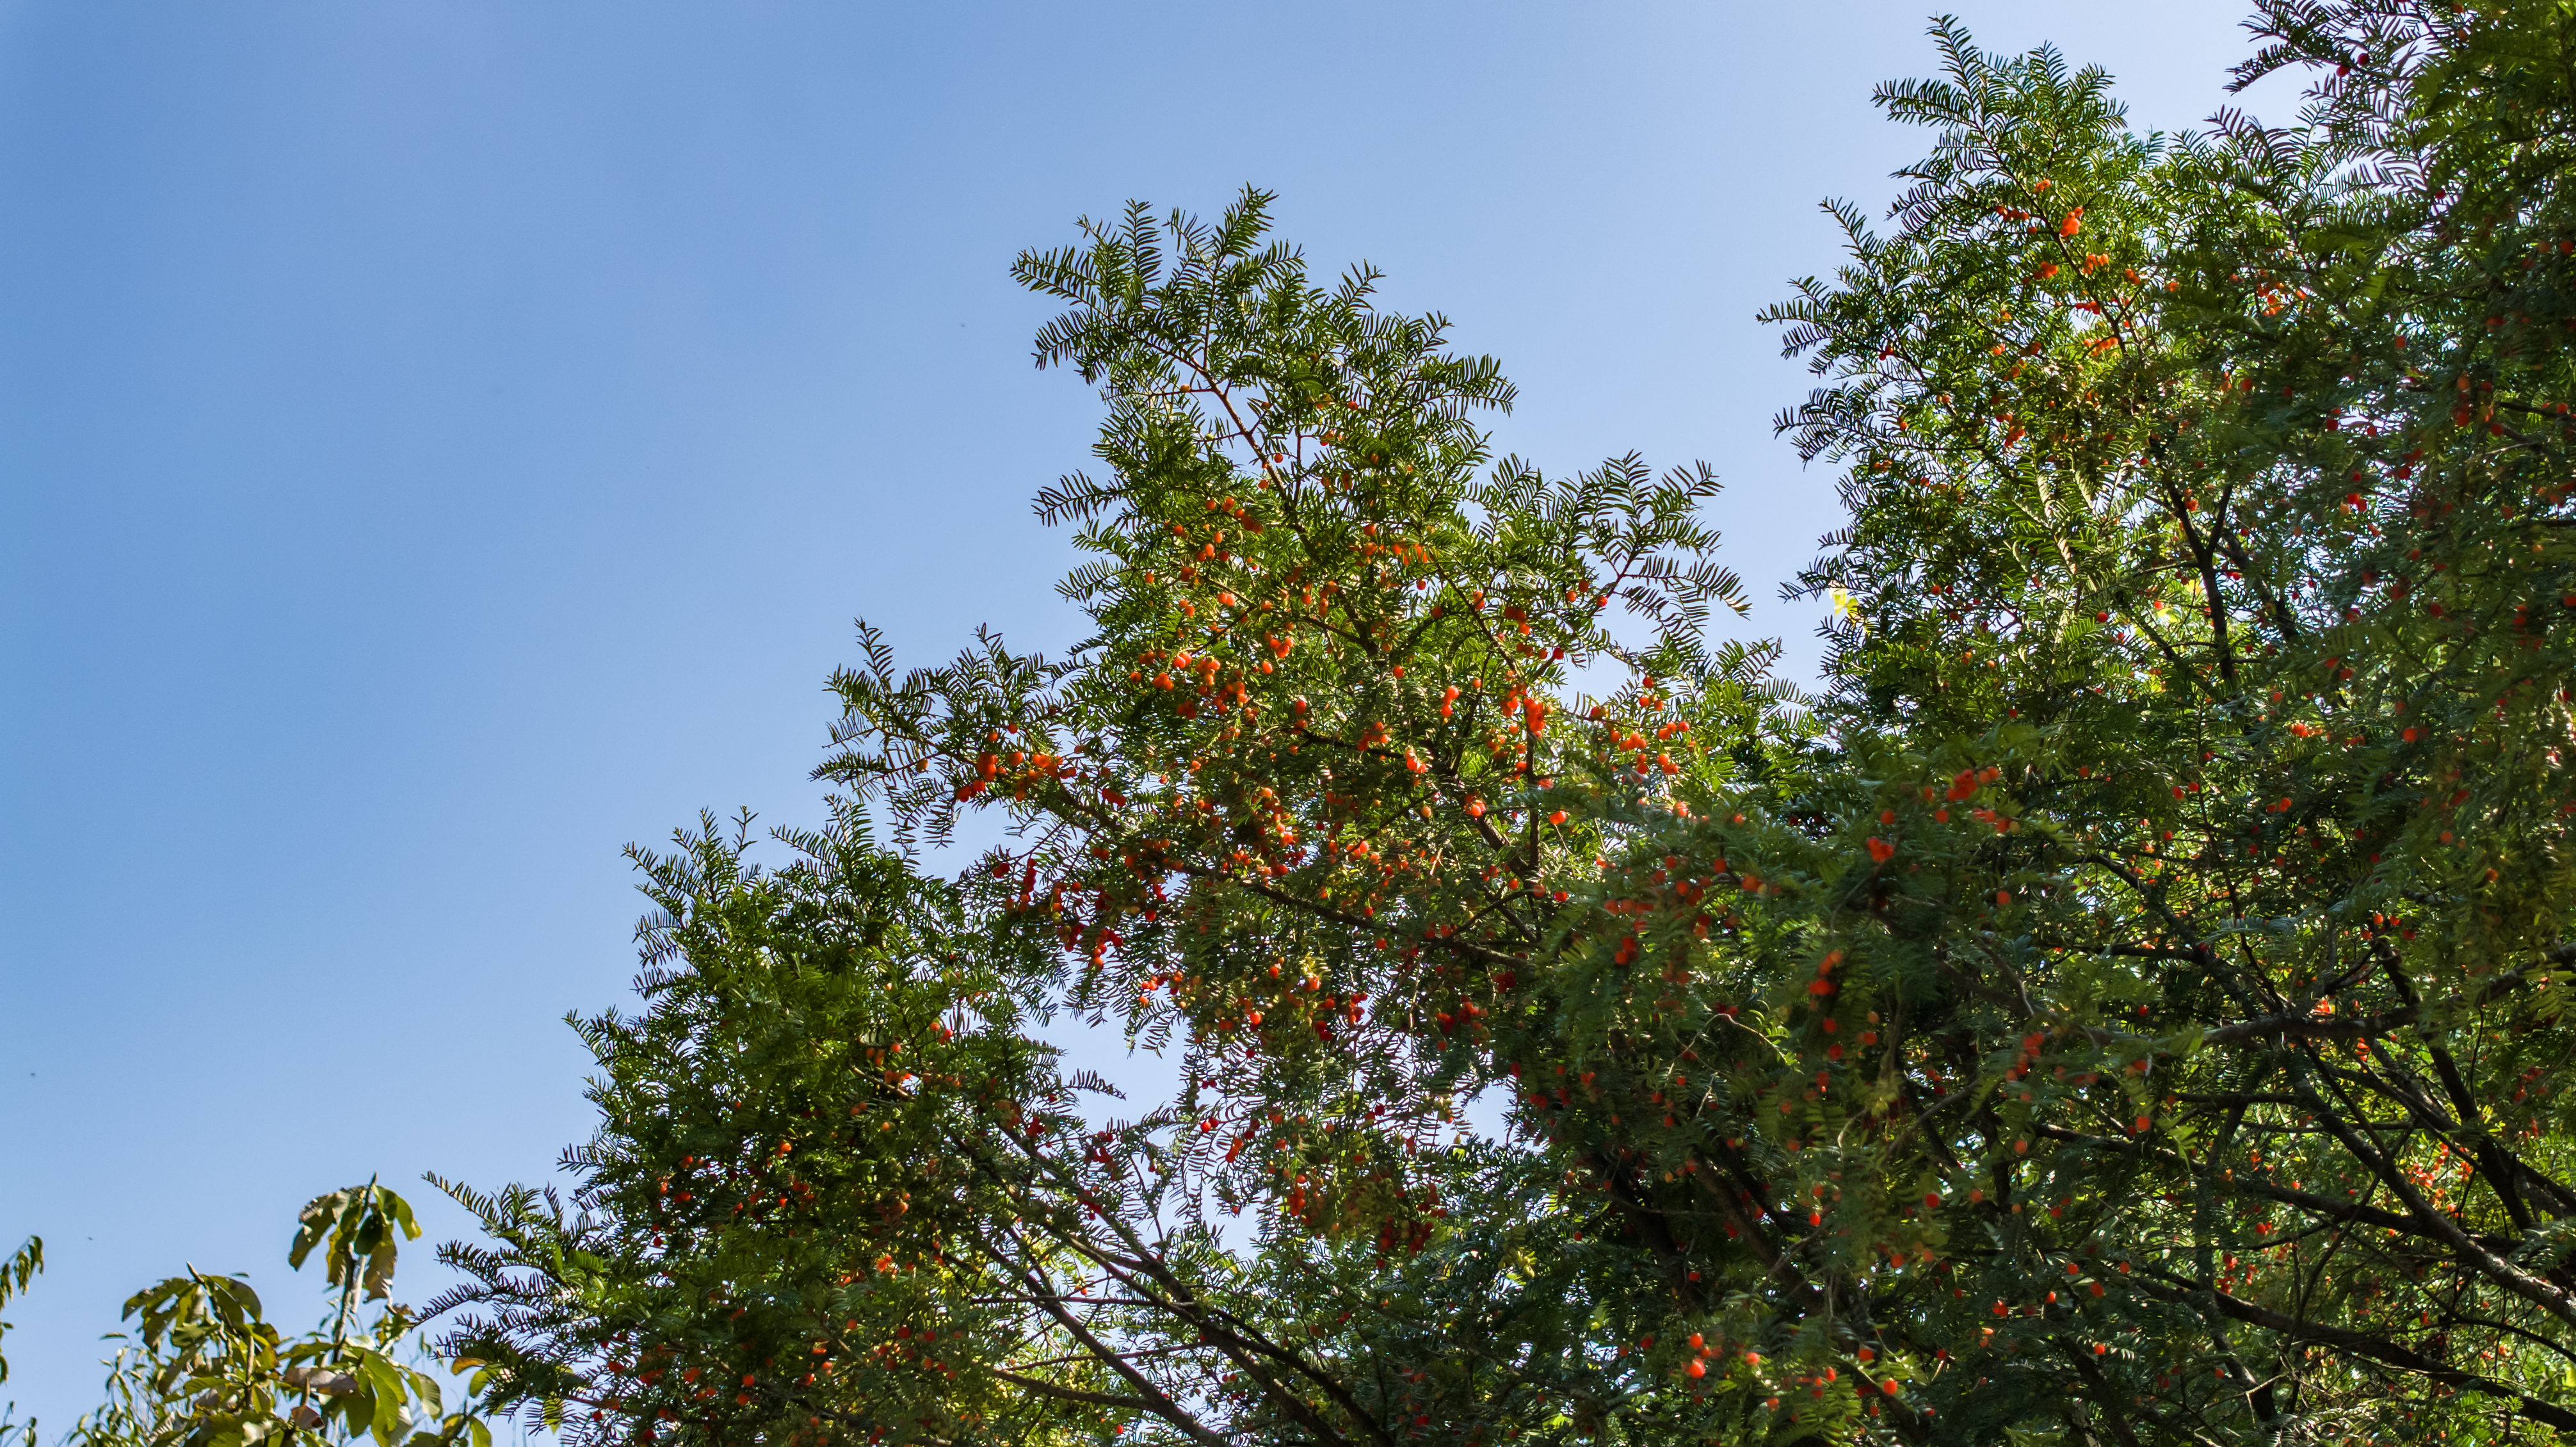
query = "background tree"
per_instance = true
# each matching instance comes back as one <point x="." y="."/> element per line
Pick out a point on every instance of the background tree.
<point x="205" y="1368"/>
<point x="2120" y="1010"/>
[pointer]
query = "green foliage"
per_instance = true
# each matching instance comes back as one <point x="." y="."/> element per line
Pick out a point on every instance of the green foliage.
<point x="2122" y="1008"/>
<point x="2222" y="496"/>
<point x="21" y="1268"/>
<point x="363" y="1227"/>
<point x="205" y="1368"/>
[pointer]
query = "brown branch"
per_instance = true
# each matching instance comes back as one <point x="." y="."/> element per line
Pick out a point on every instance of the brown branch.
<point x="1342" y="916"/>
<point x="2101" y="1395"/>
<point x="1182" y="1301"/>
<point x="2293" y="1025"/>
<point x="1075" y="1394"/>
<point x="2539" y="1291"/>
<point x="2205" y="556"/>
<point x="2360" y="1344"/>
<point x="1154" y="1400"/>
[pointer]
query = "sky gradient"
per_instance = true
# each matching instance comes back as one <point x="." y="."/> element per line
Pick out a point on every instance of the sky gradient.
<point x="442" y="441"/>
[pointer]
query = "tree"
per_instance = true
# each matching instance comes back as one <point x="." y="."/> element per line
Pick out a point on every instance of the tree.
<point x="2119" y="1009"/>
<point x="205" y="1368"/>
<point x="1315" y="770"/>
<point x="2220" y="478"/>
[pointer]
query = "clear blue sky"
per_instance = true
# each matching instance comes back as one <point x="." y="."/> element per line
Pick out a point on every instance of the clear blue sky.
<point x="444" y="440"/>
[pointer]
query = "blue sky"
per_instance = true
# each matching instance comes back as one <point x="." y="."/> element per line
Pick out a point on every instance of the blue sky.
<point x="443" y="442"/>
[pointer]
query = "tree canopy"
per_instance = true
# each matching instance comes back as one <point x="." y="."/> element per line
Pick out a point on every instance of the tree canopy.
<point x="2119" y="1004"/>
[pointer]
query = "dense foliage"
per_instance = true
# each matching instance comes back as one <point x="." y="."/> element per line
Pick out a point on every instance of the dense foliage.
<point x="2121" y="1008"/>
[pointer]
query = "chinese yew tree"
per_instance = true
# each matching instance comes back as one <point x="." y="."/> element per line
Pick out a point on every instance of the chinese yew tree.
<point x="2122" y="1007"/>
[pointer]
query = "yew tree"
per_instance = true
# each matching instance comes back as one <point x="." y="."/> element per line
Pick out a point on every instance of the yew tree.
<point x="2121" y="1005"/>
